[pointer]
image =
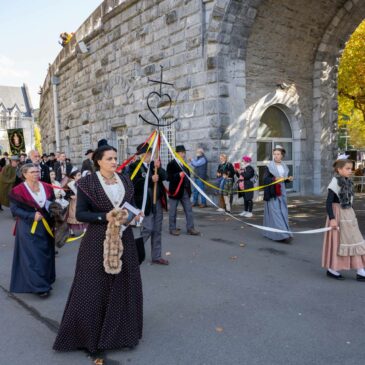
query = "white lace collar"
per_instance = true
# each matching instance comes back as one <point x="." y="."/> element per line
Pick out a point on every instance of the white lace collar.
<point x="39" y="197"/>
<point x="115" y="199"/>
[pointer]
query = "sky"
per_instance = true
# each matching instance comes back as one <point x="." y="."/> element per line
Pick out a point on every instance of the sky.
<point x="30" y="32"/>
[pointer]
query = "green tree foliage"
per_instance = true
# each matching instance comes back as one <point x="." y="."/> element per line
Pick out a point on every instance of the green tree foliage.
<point x="351" y="89"/>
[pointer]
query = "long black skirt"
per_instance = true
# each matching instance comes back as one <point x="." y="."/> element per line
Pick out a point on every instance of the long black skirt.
<point x="103" y="311"/>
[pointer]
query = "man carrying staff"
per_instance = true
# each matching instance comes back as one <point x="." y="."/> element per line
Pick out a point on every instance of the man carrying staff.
<point x="152" y="221"/>
<point x="180" y="191"/>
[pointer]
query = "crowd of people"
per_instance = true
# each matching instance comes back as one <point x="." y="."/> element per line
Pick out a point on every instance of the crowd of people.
<point x="105" y="311"/>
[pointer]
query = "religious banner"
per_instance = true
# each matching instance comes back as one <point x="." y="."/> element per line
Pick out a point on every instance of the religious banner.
<point x="16" y="141"/>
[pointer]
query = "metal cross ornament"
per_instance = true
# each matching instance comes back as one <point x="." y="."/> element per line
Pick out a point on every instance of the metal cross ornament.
<point x="156" y="100"/>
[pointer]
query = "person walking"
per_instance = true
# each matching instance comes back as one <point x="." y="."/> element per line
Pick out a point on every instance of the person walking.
<point x="62" y="169"/>
<point x="224" y="167"/>
<point x="8" y="179"/>
<point x="51" y="161"/>
<point x="246" y="180"/>
<point x="200" y="164"/>
<point x="35" y="158"/>
<point x="87" y="164"/>
<point x="275" y="206"/>
<point x="344" y="245"/>
<point x="180" y="191"/>
<point x="33" y="269"/>
<point x="153" y="214"/>
<point x="104" y="310"/>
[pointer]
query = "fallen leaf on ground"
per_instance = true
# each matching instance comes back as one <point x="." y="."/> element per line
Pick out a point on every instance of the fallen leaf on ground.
<point x="219" y="329"/>
<point x="242" y="244"/>
<point x="233" y="258"/>
<point x="168" y="253"/>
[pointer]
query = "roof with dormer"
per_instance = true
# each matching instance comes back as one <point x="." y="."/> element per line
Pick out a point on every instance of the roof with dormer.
<point x="16" y="97"/>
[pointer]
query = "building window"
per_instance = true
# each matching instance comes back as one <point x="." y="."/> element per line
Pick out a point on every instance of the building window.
<point x="120" y="142"/>
<point x="3" y="121"/>
<point x="274" y="129"/>
<point x="170" y="135"/>
<point x="85" y="142"/>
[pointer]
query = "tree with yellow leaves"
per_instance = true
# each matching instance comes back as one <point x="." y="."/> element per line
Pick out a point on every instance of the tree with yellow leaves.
<point x="351" y="90"/>
<point x="38" y="139"/>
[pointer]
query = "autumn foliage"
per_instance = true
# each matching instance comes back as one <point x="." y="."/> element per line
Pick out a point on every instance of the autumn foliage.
<point x="351" y="90"/>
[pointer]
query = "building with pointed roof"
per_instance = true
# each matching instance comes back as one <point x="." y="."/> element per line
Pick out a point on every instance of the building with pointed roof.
<point x="16" y="111"/>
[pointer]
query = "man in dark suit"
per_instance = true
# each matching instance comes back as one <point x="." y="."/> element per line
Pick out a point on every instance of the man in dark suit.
<point x="35" y="158"/>
<point x="51" y="161"/>
<point x="180" y="191"/>
<point x="62" y="168"/>
<point x="88" y="165"/>
<point x="152" y="222"/>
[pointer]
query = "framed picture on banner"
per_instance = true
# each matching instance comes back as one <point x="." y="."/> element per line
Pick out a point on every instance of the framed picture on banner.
<point x="16" y="141"/>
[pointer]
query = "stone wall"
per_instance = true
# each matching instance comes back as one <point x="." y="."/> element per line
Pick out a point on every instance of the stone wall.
<point x="107" y="88"/>
<point x="226" y="59"/>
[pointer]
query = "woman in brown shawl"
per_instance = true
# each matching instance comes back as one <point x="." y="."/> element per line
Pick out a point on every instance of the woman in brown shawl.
<point x="8" y="178"/>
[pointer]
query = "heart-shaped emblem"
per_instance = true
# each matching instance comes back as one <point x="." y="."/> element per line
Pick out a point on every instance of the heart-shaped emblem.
<point x="159" y="105"/>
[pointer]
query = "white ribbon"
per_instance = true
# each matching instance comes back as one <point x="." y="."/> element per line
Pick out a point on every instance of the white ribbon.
<point x="145" y="187"/>
<point x="263" y="228"/>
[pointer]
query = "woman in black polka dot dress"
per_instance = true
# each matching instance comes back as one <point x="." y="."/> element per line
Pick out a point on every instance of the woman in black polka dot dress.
<point x="103" y="311"/>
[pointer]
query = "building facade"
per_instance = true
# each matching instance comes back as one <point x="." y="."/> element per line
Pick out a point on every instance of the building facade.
<point x="247" y="74"/>
<point x="16" y="111"/>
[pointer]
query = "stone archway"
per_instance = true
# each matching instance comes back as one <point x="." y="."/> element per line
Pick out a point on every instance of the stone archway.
<point x="325" y="103"/>
<point x="264" y="45"/>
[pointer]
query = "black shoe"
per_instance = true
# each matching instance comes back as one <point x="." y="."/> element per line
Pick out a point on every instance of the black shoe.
<point x="337" y="277"/>
<point x="286" y="240"/>
<point x="360" y="277"/>
<point x="43" y="294"/>
<point x="1" y="209"/>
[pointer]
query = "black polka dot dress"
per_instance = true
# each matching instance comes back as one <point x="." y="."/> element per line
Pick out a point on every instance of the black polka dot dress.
<point x="103" y="311"/>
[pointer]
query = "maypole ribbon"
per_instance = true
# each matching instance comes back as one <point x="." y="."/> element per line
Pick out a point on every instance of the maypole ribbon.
<point x="142" y="159"/>
<point x="128" y="160"/>
<point x="178" y="160"/>
<point x="146" y="181"/>
<point x="222" y="190"/>
<point x="49" y="230"/>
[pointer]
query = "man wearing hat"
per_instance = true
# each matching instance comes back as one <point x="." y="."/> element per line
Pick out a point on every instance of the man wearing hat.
<point x="8" y="179"/>
<point x="88" y="165"/>
<point x="180" y="191"/>
<point x="152" y="222"/>
<point x="51" y="161"/>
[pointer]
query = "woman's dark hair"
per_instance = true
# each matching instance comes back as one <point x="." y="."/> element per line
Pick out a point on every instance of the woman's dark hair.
<point x="339" y="164"/>
<point x="282" y="150"/>
<point x="73" y="174"/>
<point x="99" y="153"/>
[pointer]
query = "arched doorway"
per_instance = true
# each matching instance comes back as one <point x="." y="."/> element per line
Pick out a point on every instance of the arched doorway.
<point x="274" y="129"/>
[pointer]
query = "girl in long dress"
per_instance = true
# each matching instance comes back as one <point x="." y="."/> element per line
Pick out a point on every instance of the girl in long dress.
<point x="344" y="245"/>
<point x="275" y="207"/>
<point x="33" y="268"/>
<point x="103" y="311"/>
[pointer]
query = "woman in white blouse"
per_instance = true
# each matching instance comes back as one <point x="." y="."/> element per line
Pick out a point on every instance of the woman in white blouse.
<point x="33" y="268"/>
<point x="276" y="208"/>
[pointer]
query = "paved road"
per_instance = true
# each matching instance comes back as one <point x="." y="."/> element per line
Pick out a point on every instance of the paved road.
<point x="217" y="303"/>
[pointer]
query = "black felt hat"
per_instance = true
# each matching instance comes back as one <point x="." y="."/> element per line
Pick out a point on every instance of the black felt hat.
<point x="89" y="151"/>
<point x="102" y="142"/>
<point x="180" y="148"/>
<point x="142" y="148"/>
